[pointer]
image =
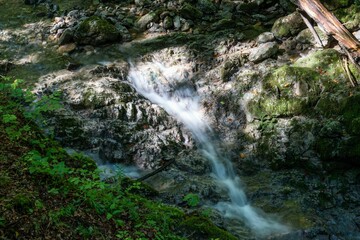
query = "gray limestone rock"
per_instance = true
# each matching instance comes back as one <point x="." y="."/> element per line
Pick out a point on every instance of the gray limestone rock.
<point x="263" y="51"/>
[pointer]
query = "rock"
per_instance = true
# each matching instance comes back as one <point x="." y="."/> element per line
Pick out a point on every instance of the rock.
<point x="67" y="48"/>
<point x="288" y="26"/>
<point x="112" y="151"/>
<point x="265" y="37"/>
<point x="225" y="23"/>
<point x="305" y="36"/>
<point x="146" y="19"/>
<point x="206" y="6"/>
<point x="263" y="51"/>
<point x="126" y="36"/>
<point x="229" y="68"/>
<point x="66" y="37"/>
<point x="332" y="5"/>
<point x="168" y="22"/>
<point x="142" y="3"/>
<point x="190" y="12"/>
<point x="177" y="22"/>
<point x="5" y="66"/>
<point x="357" y="34"/>
<point x="187" y="25"/>
<point x="125" y="127"/>
<point x="73" y="65"/>
<point x="96" y="31"/>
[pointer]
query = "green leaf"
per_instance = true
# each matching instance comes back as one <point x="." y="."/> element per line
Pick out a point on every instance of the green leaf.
<point x="54" y="191"/>
<point x="59" y="169"/>
<point x="9" y="118"/>
<point x="108" y="216"/>
<point x="192" y="199"/>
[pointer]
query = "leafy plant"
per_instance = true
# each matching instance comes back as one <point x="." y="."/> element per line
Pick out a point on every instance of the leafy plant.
<point x="192" y="199"/>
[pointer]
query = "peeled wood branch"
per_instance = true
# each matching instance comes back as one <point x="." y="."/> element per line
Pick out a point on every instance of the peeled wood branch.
<point x="330" y="24"/>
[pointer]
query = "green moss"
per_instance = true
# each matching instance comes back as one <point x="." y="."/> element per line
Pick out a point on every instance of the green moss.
<point x="331" y="4"/>
<point x="96" y="24"/>
<point x="288" y="91"/>
<point x="350" y="16"/>
<point x="190" y="12"/>
<point x="95" y="30"/>
<point x="4" y="180"/>
<point x="22" y="203"/>
<point x="330" y="105"/>
<point x="351" y="110"/>
<point x="292" y="214"/>
<point x="350" y="150"/>
<point x="204" y="228"/>
<point x="355" y="126"/>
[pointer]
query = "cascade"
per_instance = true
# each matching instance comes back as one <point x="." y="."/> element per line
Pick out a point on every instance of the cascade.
<point x="168" y="87"/>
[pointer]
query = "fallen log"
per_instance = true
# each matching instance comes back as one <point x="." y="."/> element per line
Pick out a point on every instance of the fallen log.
<point x="330" y="24"/>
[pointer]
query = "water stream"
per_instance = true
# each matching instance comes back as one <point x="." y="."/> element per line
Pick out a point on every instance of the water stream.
<point x="167" y="86"/>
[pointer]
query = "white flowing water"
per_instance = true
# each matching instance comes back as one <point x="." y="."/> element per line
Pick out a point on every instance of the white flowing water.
<point x="166" y="86"/>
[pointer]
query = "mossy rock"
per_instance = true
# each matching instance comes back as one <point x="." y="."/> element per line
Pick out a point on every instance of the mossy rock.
<point x="351" y="114"/>
<point x="96" y="31"/>
<point x="330" y="105"/>
<point x="326" y="59"/>
<point x="288" y="91"/>
<point x="190" y="12"/>
<point x="146" y="19"/>
<point x="206" y="6"/>
<point x="288" y="26"/>
<point x="349" y="150"/>
<point x="331" y="4"/>
<point x="203" y="228"/>
<point x="225" y="23"/>
<point x="349" y="16"/>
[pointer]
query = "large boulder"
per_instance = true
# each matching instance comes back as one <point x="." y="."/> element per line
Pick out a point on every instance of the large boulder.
<point x="190" y="12"/>
<point x="305" y="114"/>
<point x="95" y="31"/>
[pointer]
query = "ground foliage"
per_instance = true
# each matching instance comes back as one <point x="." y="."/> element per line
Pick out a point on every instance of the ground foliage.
<point x="47" y="194"/>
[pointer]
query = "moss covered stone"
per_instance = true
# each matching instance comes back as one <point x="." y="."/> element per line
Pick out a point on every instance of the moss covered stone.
<point x="190" y="12"/>
<point x="288" y="26"/>
<point x="331" y="4"/>
<point x="288" y="91"/>
<point x="95" y="30"/>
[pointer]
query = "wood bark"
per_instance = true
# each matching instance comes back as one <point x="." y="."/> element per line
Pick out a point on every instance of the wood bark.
<point x="330" y="24"/>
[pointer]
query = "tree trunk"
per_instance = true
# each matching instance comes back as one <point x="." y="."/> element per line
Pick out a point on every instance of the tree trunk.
<point x="330" y="24"/>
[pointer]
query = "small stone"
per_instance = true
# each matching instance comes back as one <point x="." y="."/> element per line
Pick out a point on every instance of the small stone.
<point x="266" y="37"/>
<point x="168" y="22"/>
<point x="177" y="22"/>
<point x="146" y="19"/>
<point x="66" y="37"/>
<point x="264" y="51"/>
<point x="67" y="48"/>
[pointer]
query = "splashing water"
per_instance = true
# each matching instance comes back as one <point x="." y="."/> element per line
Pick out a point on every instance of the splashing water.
<point x="168" y="87"/>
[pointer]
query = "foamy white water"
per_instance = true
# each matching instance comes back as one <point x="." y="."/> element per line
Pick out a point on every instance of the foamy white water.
<point x="166" y="86"/>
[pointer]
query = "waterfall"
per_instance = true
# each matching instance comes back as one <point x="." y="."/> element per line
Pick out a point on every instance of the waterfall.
<point x="167" y="85"/>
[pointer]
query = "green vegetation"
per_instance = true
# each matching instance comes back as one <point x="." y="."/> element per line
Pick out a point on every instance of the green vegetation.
<point x="46" y="193"/>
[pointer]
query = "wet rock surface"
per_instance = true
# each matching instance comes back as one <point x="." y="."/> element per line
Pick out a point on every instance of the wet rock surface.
<point x="282" y="109"/>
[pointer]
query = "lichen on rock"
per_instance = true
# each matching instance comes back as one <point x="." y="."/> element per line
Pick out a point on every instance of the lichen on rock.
<point x="95" y="31"/>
